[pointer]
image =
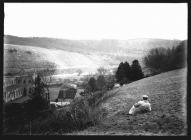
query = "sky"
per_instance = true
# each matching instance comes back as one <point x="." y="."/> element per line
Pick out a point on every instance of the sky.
<point x="84" y="21"/>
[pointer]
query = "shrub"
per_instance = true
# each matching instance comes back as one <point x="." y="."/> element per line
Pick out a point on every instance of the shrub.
<point x="100" y="82"/>
<point x="12" y="50"/>
<point x="110" y="81"/>
<point x="29" y="52"/>
<point x="101" y="71"/>
<point x="92" y="84"/>
<point x="78" y="116"/>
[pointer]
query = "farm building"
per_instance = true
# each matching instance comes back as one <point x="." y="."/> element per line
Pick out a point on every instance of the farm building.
<point x="67" y="92"/>
<point x="15" y="87"/>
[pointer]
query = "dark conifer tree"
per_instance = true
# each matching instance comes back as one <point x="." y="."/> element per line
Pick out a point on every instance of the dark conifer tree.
<point x="127" y="70"/>
<point x="136" y="71"/>
<point x="120" y="73"/>
<point x="39" y="87"/>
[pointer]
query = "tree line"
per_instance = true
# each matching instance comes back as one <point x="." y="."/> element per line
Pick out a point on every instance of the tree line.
<point x="166" y="59"/>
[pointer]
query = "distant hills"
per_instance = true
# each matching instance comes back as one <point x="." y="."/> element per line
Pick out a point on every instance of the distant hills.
<point x="105" y="45"/>
<point x="79" y="54"/>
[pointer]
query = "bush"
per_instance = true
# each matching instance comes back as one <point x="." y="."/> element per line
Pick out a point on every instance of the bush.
<point x="100" y="82"/>
<point x="92" y="85"/>
<point x="78" y="116"/>
<point x="12" y="50"/>
<point x="163" y="59"/>
<point x="29" y="52"/>
<point x="110" y="81"/>
<point x="101" y="71"/>
<point x="92" y="100"/>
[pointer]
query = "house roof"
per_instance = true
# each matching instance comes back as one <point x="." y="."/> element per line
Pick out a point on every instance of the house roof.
<point x="67" y="93"/>
<point x="69" y="85"/>
<point x="12" y="87"/>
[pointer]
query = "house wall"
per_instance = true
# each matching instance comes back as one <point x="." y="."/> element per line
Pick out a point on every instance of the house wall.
<point x="14" y="87"/>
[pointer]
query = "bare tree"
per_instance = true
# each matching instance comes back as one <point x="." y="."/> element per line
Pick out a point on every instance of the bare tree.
<point x="79" y="71"/>
<point x="47" y="77"/>
<point x="102" y="71"/>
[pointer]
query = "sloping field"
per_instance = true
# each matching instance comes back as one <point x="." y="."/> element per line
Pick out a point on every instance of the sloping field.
<point x="28" y="57"/>
<point x="167" y="95"/>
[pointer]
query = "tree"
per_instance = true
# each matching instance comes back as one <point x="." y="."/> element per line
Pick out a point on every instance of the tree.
<point x="166" y="59"/>
<point x="101" y="83"/>
<point x="38" y="101"/>
<point x="79" y="71"/>
<point x="110" y="81"/>
<point x="180" y="55"/>
<point x="120" y="73"/>
<point x="39" y="87"/>
<point x="127" y="72"/>
<point x="46" y="78"/>
<point x="136" y="71"/>
<point x="92" y="84"/>
<point x="101" y="71"/>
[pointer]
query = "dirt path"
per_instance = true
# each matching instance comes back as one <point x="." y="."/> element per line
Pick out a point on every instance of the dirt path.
<point x="166" y="93"/>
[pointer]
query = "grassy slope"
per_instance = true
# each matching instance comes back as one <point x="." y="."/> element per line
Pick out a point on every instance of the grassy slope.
<point x="167" y="94"/>
<point x="40" y="57"/>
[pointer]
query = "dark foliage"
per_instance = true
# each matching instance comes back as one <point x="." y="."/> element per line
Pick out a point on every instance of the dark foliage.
<point x="101" y="82"/>
<point x="92" y="85"/>
<point x="166" y="59"/>
<point x="110" y="81"/>
<point x="136" y="71"/>
<point x="120" y="73"/>
<point x="127" y="69"/>
<point x="126" y="73"/>
<point x="13" y="50"/>
<point x="39" y="87"/>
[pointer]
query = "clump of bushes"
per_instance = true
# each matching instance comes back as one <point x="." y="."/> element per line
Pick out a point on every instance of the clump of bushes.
<point x="78" y="116"/>
<point x="13" y="50"/>
<point x="103" y="82"/>
<point x="29" y="52"/>
<point x="166" y="59"/>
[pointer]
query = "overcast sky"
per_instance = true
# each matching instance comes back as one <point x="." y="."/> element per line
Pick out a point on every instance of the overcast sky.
<point x="96" y="21"/>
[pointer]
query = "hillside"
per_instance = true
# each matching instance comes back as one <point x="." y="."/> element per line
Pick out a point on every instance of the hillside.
<point x="97" y="46"/>
<point x="167" y="95"/>
<point x="87" y="55"/>
<point x="18" y="57"/>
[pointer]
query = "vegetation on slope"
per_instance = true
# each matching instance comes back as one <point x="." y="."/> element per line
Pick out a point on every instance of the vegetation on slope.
<point x="166" y="59"/>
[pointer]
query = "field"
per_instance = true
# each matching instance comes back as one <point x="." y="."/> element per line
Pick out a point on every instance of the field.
<point x="167" y="95"/>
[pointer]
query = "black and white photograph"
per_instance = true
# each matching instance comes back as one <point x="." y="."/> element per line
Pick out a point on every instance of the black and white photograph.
<point x="95" y="69"/>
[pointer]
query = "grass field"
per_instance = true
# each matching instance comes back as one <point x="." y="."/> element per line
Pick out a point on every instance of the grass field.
<point x="167" y="95"/>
